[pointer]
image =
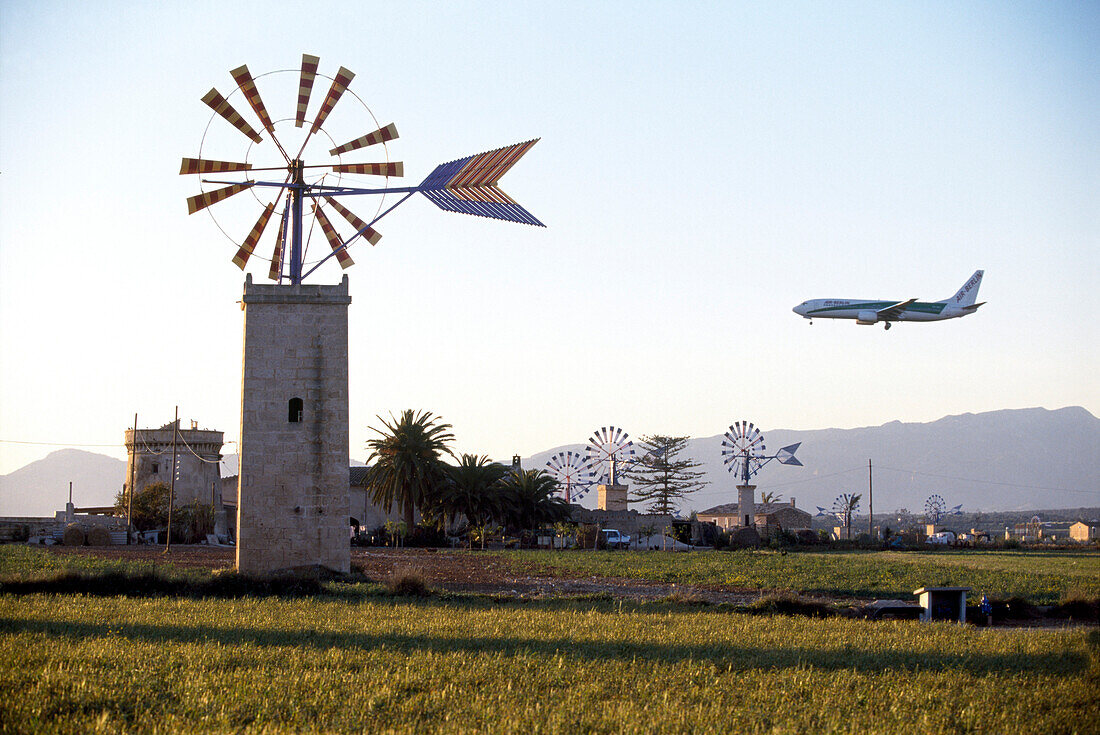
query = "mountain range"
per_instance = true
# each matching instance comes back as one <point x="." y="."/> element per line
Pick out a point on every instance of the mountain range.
<point x="1014" y="459"/>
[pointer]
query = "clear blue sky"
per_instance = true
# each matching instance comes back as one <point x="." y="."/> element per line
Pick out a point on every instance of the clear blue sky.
<point x="703" y="168"/>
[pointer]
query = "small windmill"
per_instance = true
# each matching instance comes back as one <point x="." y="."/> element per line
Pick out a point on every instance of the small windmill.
<point x="935" y="508"/>
<point x="573" y="474"/>
<point x="844" y="506"/>
<point x="609" y="450"/>
<point x="307" y="197"/>
<point x="744" y="454"/>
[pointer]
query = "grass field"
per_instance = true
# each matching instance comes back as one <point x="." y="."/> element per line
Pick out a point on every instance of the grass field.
<point x="364" y="662"/>
<point x="75" y="664"/>
<point x="1043" y="578"/>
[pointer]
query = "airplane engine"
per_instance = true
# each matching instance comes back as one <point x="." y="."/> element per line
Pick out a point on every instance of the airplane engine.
<point x="867" y="317"/>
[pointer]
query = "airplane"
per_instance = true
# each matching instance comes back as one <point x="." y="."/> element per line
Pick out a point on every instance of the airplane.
<point x="910" y="310"/>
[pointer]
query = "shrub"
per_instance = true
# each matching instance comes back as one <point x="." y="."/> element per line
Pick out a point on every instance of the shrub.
<point x="408" y="582"/>
<point x="1077" y="607"/>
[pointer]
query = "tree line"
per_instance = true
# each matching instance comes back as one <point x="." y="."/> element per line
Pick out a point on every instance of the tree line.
<point x="407" y="469"/>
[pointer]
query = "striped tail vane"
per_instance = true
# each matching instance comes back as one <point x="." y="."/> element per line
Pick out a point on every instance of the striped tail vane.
<point x="469" y="185"/>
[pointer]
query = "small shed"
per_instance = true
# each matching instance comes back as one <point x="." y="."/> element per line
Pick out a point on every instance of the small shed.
<point x="943" y="603"/>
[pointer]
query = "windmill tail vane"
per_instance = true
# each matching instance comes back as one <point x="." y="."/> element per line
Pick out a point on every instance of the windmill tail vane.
<point x="470" y="185"/>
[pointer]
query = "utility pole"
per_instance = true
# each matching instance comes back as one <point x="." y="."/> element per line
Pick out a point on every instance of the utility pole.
<point x="130" y="495"/>
<point x="172" y="482"/>
<point x="870" y="504"/>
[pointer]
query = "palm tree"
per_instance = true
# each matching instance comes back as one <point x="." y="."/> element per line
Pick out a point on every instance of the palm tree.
<point x="530" y="500"/>
<point x="406" y="468"/>
<point x="770" y="496"/>
<point x="844" y="507"/>
<point x="473" y="490"/>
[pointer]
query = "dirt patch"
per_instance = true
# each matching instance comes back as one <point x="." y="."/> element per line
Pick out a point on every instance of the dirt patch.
<point x="454" y="571"/>
<point x="471" y="571"/>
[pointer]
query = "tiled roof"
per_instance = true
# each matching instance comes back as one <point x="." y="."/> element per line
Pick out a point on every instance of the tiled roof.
<point x="730" y="509"/>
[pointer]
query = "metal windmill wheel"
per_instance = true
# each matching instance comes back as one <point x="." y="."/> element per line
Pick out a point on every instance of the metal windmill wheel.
<point x="609" y="451"/>
<point x="573" y="474"/>
<point x="307" y="173"/>
<point x="934" y="508"/>
<point x="309" y="159"/>
<point x="743" y="450"/>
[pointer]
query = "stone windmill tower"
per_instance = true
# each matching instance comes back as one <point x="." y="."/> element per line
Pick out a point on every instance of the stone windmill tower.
<point x="294" y="454"/>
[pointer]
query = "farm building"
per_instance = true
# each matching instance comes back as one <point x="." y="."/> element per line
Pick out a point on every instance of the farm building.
<point x="768" y="517"/>
<point x="1085" y="531"/>
<point x="197" y="469"/>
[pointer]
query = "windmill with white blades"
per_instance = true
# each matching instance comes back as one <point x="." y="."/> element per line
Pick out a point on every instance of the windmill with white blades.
<point x="744" y="454"/>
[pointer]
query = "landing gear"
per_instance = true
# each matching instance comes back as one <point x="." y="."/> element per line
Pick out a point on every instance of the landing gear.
<point x="887" y="325"/>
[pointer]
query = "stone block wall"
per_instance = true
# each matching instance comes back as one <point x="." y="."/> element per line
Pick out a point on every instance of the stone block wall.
<point x="292" y="506"/>
<point x="198" y="456"/>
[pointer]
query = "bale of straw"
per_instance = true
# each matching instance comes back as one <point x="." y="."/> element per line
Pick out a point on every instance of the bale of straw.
<point x="73" y="535"/>
<point x="99" y="536"/>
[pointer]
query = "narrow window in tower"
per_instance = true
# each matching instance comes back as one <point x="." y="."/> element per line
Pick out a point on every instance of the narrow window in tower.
<point x="156" y="468"/>
<point x="294" y="411"/>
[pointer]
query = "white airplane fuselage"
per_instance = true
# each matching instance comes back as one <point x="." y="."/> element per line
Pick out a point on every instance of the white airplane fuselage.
<point x="867" y="311"/>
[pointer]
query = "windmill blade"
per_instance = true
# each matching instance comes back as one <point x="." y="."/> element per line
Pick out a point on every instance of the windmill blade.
<point x="277" y="255"/>
<point x="249" y="244"/>
<point x="247" y="86"/>
<point x="361" y="227"/>
<point x="221" y="105"/>
<point x="333" y="238"/>
<point x="381" y="135"/>
<point x="397" y="168"/>
<point x="204" y="200"/>
<point x="305" y="87"/>
<point x="335" y="91"/>
<point x="207" y="166"/>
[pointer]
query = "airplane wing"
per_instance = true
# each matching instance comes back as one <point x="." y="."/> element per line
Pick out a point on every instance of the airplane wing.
<point x="892" y="312"/>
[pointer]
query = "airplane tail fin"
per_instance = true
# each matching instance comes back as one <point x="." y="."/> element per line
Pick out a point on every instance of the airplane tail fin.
<point x="968" y="294"/>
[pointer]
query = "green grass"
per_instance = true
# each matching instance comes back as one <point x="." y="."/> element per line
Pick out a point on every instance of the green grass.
<point x="1044" y="578"/>
<point x="70" y="663"/>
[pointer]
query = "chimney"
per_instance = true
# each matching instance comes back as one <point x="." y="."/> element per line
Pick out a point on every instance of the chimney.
<point x="792" y="502"/>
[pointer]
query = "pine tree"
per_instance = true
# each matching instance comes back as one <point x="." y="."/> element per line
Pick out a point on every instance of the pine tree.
<point x="661" y="478"/>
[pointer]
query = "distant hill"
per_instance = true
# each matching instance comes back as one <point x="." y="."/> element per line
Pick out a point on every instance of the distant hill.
<point x="1001" y="460"/>
<point x="42" y="488"/>
<point x="1007" y="460"/>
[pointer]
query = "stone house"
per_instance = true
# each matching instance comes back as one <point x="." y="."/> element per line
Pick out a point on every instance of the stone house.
<point x="768" y="517"/>
<point x="1085" y="531"/>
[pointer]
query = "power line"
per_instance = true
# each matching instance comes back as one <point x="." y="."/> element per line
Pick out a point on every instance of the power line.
<point x="58" y="444"/>
<point x="988" y="482"/>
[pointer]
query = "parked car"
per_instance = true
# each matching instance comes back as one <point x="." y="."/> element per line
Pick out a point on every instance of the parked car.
<point x="614" y="539"/>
